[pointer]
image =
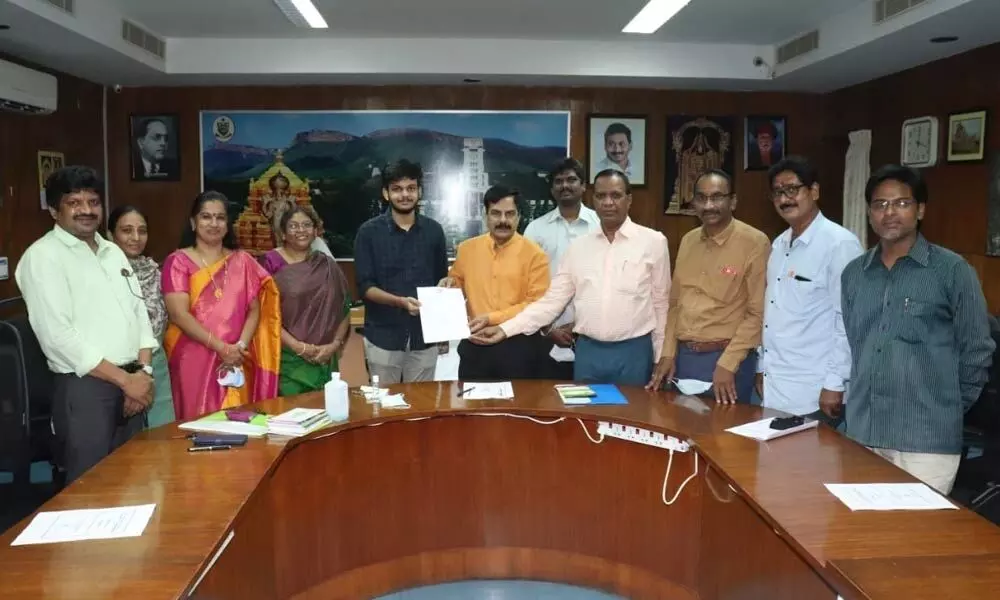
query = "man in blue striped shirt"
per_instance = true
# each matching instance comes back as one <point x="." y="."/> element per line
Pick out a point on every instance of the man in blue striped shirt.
<point x="919" y="332"/>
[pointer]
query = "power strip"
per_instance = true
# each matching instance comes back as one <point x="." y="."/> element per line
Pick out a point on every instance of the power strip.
<point x="641" y="436"/>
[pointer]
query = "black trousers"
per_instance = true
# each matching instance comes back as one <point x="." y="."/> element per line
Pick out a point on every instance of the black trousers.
<point x="88" y="422"/>
<point x="516" y="357"/>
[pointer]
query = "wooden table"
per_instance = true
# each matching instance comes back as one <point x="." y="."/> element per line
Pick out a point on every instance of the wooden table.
<point x="453" y="489"/>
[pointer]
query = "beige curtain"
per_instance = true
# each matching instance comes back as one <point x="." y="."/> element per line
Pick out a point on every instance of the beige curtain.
<point x="856" y="174"/>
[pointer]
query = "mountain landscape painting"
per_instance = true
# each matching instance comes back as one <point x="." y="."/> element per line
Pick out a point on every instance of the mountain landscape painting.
<point x="334" y="161"/>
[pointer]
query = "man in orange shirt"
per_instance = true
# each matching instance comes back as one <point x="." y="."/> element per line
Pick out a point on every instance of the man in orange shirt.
<point x="500" y="273"/>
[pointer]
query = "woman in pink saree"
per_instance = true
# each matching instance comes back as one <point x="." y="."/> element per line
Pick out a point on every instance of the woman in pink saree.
<point x="225" y="320"/>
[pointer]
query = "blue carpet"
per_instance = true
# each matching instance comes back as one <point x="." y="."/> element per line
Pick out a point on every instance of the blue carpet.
<point x="500" y="590"/>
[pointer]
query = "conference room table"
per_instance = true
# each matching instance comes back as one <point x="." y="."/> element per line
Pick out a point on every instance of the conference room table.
<point x="454" y="489"/>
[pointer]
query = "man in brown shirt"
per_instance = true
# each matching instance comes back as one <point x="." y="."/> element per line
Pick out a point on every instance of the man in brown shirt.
<point x="717" y="297"/>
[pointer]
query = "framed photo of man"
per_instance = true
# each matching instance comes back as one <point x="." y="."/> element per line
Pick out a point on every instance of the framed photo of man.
<point x="47" y="163"/>
<point x="765" y="141"/>
<point x="154" y="147"/>
<point x="617" y="142"/>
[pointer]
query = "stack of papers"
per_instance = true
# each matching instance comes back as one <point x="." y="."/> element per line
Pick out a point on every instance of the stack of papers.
<point x="889" y="496"/>
<point x="575" y="394"/>
<point x="761" y="430"/>
<point x="298" y="422"/>
<point x="501" y="390"/>
<point x="218" y="423"/>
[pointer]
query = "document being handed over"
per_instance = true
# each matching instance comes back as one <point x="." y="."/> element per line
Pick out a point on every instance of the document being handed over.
<point x="443" y="317"/>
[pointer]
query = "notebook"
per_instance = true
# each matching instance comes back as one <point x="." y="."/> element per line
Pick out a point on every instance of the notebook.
<point x="598" y="394"/>
<point x="218" y="423"/>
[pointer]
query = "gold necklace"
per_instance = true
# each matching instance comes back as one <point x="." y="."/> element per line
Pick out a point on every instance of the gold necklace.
<point x="225" y="277"/>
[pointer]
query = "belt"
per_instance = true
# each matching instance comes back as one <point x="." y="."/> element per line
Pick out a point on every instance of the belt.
<point x="713" y="346"/>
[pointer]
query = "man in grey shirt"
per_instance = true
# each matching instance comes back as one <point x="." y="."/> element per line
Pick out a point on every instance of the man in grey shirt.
<point x="918" y="328"/>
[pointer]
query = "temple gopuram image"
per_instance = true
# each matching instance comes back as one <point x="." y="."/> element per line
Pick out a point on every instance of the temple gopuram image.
<point x="271" y="194"/>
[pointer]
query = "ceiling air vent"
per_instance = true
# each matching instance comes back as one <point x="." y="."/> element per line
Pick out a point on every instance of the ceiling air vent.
<point x="66" y="5"/>
<point x="137" y="36"/>
<point x="887" y="9"/>
<point x="799" y="46"/>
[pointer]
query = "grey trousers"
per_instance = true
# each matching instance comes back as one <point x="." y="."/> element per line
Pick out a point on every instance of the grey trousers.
<point x="405" y="366"/>
<point x="88" y="423"/>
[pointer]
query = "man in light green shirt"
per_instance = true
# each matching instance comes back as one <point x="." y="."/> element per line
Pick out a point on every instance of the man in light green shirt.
<point x="86" y="308"/>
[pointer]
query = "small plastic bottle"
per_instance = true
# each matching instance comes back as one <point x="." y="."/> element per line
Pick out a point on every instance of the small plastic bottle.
<point x="336" y="398"/>
<point x="376" y="396"/>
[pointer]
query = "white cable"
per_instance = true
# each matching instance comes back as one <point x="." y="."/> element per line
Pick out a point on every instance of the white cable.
<point x="600" y="437"/>
<point x="666" y="476"/>
<point x="532" y="419"/>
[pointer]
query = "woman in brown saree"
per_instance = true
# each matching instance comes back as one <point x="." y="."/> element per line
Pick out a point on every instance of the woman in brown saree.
<point x="315" y="304"/>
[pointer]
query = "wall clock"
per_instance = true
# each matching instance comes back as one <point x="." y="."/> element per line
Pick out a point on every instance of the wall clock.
<point x="919" y="146"/>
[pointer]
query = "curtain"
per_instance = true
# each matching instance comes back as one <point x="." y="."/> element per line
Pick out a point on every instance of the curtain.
<point x="856" y="172"/>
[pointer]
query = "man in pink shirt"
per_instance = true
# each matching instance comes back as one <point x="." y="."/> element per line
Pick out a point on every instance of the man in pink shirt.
<point x="618" y="279"/>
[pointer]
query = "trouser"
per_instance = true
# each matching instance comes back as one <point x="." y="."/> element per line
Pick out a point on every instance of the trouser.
<point x="936" y="470"/>
<point x="402" y="366"/>
<point x="629" y="362"/>
<point x="701" y="366"/>
<point x="553" y="369"/>
<point x="516" y="357"/>
<point x="88" y="421"/>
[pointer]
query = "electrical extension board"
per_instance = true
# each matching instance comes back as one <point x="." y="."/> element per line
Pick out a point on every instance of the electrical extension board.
<point x="641" y="436"/>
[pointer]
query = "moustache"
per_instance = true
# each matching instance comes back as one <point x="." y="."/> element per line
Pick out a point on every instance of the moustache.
<point x="787" y="205"/>
<point x="710" y="212"/>
<point x="84" y="217"/>
<point x="503" y="227"/>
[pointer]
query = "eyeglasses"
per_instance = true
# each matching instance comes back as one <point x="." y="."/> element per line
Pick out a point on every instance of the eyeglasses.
<point x="897" y="203"/>
<point x="788" y="191"/>
<point x="300" y="226"/>
<point x="711" y="199"/>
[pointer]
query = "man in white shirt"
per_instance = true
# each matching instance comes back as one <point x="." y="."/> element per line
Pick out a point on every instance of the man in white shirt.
<point x="805" y="359"/>
<point x="617" y="149"/>
<point x="92" y="326"/>
<point x="554" y="231"/>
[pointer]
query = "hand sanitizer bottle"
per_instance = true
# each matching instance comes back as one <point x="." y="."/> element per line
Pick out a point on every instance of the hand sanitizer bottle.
<point x="376" y="396"/>
<point x="336" y="397"/>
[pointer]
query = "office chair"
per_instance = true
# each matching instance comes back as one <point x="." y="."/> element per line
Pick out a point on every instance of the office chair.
<point x="982" y="429"/>
<point x="26" y="406"/>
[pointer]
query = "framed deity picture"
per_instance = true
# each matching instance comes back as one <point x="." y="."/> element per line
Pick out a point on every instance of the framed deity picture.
<point x="966" y="136"/>
<point x="47" y="163"/>
<point x="694" y="145"/>
<point x="617" y="142"/>
<point x="154" y="148"/>
<point x="765" y="141"/>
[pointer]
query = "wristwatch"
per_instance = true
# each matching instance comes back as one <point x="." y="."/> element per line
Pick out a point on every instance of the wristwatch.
<point x="148" y="370"/>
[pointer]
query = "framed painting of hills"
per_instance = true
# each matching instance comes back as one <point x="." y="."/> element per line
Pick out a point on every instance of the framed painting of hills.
<point x="333" y="160"/>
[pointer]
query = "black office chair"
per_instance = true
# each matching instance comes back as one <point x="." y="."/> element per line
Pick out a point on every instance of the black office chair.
<point x="982" y="432"/>
<point x="26" y="403"/>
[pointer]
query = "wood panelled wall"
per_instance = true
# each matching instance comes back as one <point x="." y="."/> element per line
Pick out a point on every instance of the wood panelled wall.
<point x="167" y="203"/>
<point x="75" y="129"/>
<point x="956" y="213"/>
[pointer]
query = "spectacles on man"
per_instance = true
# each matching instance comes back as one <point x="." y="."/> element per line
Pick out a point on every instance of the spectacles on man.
<point x="700" y="198"/>
<point x="788" y="191"/>
<point x="897" y="203"/>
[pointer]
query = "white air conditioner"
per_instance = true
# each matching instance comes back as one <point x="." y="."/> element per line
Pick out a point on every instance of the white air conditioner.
<point x="26" y="90"/>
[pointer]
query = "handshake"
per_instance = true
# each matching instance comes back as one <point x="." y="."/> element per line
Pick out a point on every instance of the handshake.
<point x="483" y="334"/>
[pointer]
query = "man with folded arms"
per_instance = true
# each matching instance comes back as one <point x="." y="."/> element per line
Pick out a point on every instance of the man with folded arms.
<point x="717" y="298"/>
<point x="618" y="278"/>
<point x="93" y="328"/>
<point x="500" y="273"/>
<point x="806" y="358"/>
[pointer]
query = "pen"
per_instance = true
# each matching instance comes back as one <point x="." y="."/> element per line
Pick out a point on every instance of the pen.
<point x="468" y="389"/>
<point x="207" y="448"/>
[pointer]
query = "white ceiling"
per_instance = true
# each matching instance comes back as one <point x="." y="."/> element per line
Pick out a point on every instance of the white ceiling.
<point x="723" y="21"/>
<point x="709" y="45"/>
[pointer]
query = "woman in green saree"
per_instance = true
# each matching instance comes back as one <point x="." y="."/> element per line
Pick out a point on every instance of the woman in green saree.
<point x="315" y="304"/>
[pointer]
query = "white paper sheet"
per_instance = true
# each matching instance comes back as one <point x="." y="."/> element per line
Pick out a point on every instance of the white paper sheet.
<point x="501" y="390"/>
<point x="86" y="524"/>
<point x="761" y="430"/>
<point x="394" y="401"/>
<point x="443" y="317"/>
<point x="889" y="496"/>
<point x="560" y="354"/>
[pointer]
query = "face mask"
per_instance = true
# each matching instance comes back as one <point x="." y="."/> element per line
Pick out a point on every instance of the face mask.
<point x="692" y="387"/>
<point x="232" y="378"/>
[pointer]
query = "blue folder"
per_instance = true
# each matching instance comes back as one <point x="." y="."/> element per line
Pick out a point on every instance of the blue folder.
<point x="606" y="394"/>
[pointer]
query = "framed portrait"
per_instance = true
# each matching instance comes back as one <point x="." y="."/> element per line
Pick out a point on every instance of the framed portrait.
<point x="694" y="145"/>
<point x="617" y="142"/>
<point x="47" y="163"/>
<point x="154" y="147"/>
<point x="966" y="136"/>
<point x="765" y="141"/>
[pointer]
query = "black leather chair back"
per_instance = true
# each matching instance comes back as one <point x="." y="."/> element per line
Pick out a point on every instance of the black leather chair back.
<point x="25" y="395"/>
